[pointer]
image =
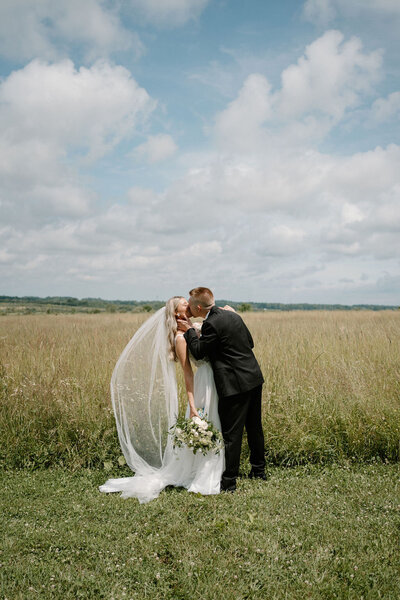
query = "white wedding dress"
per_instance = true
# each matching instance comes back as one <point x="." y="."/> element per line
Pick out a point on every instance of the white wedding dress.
<point x="145" y="402"/>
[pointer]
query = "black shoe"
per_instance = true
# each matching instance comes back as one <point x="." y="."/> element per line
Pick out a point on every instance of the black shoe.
<point x="228" y="487"/>
<point x="255" y="475"/>
<point x="230" y="490"/>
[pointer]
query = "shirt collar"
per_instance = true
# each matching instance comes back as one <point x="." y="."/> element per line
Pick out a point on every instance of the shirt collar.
<point x="207" y="315"/>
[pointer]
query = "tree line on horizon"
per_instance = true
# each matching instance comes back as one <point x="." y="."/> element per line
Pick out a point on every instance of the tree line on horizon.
<point x="29" y="304"/>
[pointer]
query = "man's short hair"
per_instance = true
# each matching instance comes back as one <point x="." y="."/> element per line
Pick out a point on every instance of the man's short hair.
<point x="202" y="296"/>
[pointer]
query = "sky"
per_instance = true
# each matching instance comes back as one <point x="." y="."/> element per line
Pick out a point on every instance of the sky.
<point x="151" y="146"/>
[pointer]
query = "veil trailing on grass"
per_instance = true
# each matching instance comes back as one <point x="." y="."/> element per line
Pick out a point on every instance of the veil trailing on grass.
<point x="145" y="402"/>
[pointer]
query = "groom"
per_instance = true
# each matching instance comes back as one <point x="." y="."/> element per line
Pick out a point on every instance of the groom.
<point x="228" y="344"/>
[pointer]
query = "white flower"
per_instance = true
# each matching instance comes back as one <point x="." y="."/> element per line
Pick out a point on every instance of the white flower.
<point x="197" y="433"/>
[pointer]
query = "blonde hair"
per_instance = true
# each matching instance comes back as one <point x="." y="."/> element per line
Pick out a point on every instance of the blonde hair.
<point x="172" y="327"/>
<point x="202" y="296"/>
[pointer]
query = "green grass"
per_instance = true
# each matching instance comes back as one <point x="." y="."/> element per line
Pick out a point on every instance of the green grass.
<point x="309" y="532"/>
<point x="318" y="531"/>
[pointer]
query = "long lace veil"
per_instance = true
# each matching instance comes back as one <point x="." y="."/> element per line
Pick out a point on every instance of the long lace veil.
<point x="145" y="402"/>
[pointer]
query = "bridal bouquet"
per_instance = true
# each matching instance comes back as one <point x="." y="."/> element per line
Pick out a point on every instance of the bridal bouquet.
<point x="197" y="434"/>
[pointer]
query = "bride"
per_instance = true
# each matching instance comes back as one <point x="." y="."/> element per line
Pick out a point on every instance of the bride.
<point x="145" y="401"/>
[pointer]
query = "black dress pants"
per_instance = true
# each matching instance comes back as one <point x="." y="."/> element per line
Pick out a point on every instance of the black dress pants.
<point x="235" y="413"/>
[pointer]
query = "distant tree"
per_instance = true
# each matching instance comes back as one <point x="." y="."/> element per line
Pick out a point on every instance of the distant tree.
<point x="147" y="307"/>
<point x="244" y="307"/>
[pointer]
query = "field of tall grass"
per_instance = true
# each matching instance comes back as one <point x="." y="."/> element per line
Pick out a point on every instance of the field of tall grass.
<point x="331" y="393"/>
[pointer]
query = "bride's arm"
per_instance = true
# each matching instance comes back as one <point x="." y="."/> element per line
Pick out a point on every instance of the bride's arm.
<point x="183" y="355"/>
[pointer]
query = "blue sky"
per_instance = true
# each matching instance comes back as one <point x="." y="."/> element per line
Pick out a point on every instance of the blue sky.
<point x="151" y="146"/>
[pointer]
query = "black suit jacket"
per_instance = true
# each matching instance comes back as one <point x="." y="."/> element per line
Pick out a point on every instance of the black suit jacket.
<point x="228" y="344"/>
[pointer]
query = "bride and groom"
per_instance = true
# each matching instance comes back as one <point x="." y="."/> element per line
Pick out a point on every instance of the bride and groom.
<point x="226" y="386"/>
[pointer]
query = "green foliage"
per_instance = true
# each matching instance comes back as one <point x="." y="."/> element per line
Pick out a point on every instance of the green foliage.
<point x="244" y="307"/>
<point x="147" y="307"/>
<point x="308" y="532"/>
<point x="56" y="305"/>
<point x="65" y="304"/>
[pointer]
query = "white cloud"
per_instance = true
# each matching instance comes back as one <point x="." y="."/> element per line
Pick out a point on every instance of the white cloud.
<point x="323" y="12"/>
<point x="241" y="121"/>
<point x="35" y="185"/>
<point x="303" y="209"/>
<point x="50" y="112"/>
<point x="92" y="24"/>
<point x="90" y="108"/>
<point x="331" y="78"/>
<point x="367" y="176"/>
<point x="383" y="109"/>
<point x="246" y="228"/>
<point x="50" y="30"/>
<point x="156" y="148"/>
<point x="205" y="228"/>
<point x="270" y="214"/>
<point x="168" y="13"/>
<point x="282" y="240"/>
<point x="42" y="29"/>
<point x="351" y="213"/>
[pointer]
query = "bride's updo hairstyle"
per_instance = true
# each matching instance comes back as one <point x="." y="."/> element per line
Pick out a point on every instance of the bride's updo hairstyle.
<point x="172" y="327"/>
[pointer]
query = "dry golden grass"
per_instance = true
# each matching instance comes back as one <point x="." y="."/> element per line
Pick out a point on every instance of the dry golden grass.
<point x="332" y="386"/>
<point x="332" y="383"/>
